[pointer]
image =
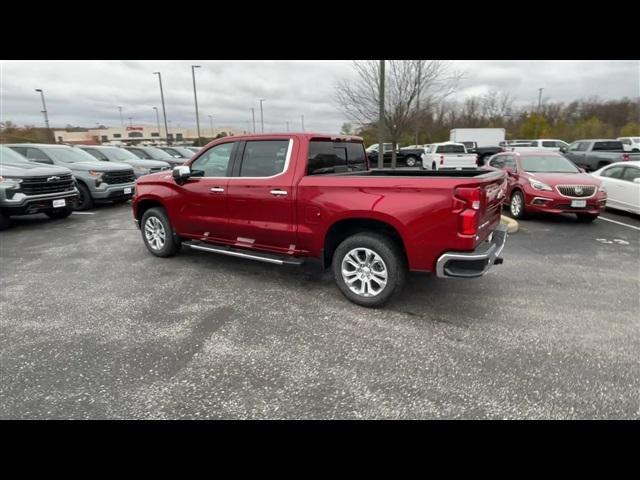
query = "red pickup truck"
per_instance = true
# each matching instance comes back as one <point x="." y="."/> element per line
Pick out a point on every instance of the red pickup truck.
<point x="287" y="198"/>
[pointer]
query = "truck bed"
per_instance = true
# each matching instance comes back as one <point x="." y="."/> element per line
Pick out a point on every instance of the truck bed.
<point x="388" y="172"/>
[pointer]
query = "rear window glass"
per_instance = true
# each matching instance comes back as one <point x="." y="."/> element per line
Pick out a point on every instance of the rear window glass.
<point x="600" y="146"/>
<point x="335" y="157"/>
<point x="450" y="149"/>
<point x="264" y="158"/>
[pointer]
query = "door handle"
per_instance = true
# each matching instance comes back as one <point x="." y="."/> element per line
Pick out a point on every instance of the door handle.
<point x="217" y="189"/>
<point x="278" y="193"/>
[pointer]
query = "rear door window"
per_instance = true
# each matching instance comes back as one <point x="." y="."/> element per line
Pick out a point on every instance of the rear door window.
<point x="264" y="158"/>
<point x="583" y="146"/>
<point x="548" y="144"/>
<point x="140" y="153"/>
<point x="326" y="156"/>
<point x="607" y="146"/>
<point x="613" y="172"/>
<point x="630" y="174"/>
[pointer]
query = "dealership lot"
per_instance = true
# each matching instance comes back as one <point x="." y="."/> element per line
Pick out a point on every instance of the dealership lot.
<point x="93" y="326"/>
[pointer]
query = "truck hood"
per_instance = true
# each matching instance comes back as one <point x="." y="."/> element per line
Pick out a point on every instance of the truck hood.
<point x="31" y="170"/>
<point x="553" y="179"/>
<point x="99" y="166"/>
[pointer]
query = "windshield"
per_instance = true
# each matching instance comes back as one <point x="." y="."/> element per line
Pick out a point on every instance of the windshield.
<point x="118" y="154"/>
<point x="10" y="156"/>
<point x="547" y="163"/>
<point x="636" y="139"/>
<point x="185" y="152"/>
<point x="158" y="154"/>
<point x="69" y="155"/>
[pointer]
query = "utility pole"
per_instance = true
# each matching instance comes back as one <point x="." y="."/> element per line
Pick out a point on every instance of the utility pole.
<point x="381" y="118"/>
<point x="253" y="116"/>
<point x="44" y="111"/>
<point x="302" y="121"/>
<point x="538" y="119"/>
<point x="164" y="110"/>
<point x="261" y="115"/>
<point x="121" y="120"/>
<point x="195" y="96"/>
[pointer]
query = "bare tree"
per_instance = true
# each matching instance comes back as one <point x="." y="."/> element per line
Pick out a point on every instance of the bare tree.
<point x="431" y="80"/>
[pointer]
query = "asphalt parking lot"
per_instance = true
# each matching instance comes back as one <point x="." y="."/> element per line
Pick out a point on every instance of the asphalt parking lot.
<point x="93" y="326"/>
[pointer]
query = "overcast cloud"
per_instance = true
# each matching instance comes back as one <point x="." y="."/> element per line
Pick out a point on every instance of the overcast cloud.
<point x="88" y="92"/>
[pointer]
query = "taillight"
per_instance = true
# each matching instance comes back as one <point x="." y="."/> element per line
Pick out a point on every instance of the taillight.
<point x="625" y="157"/>
<point x="473" y="199"/>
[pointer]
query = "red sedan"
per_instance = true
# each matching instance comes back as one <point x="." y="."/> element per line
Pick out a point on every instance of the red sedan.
<point x="541" y="181"/>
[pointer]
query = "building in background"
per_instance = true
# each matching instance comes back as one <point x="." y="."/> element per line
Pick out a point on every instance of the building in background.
<point x="136" y="134"/>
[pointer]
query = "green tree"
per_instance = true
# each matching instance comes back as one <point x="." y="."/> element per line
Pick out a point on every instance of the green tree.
<point x="593" y="128"/>
<point x="631" y="129"/>
<point x="534" y="124"/>
<point x="347" y="129"/>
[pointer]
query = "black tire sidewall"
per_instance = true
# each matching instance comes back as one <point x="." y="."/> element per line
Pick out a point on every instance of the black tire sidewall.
<point x="87" y="203"/>
<point x="409" y="159"/>
<point x="171" y="245"/>
<point x="390" y="254"/>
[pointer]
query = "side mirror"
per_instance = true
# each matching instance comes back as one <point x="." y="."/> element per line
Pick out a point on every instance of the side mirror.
<point x="636" y="180"/>
<point x="181" y="173"/>
<point x="563" y="149"/>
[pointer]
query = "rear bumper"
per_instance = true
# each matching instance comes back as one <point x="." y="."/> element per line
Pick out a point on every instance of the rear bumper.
<point x="476" y="263"/>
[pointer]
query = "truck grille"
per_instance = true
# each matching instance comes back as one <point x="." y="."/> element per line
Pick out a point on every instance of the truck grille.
<point x="44" y="185"/>
<point x="576" y="191"/>
<point x="114" y="178"/>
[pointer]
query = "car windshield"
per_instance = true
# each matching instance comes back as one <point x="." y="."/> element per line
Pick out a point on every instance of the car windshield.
<point x="158" y="154"/>
<point x="118" y="154"/>
<point x="10" y="156"/>
<point x="547" y="163"/>
<point x="636" y="139"/>
<point x="69" y="155"/>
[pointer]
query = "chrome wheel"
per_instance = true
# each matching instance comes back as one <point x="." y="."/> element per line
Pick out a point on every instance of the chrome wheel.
<point x="364" y="272"/>
<point x="154" y="233"/>
<point x="516" y="205"/>
<point x="411" y="162"/>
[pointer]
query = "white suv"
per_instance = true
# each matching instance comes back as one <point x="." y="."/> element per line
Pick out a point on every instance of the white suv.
<point x="630" y="144"/>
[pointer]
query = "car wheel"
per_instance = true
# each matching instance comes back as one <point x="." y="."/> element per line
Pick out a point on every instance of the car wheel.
<point x="516" y="205"/>
<point x="585" y="217"/>
<point x="411" y="161"/>
<point x="61" y="213"/>
<point x="369" y="268"/>
<point x="5" y="221"/>
<point x="157" y="233"/>
<point x="85" y="202"/>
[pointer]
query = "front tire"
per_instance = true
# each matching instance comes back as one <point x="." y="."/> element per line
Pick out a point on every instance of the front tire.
<point x="585" y="217"/>
<point x="369" y="269"/>
<point x="516" y="205"/>
<point x="58" y="214"/>
<point x="411" y="161"/>
<point x="157" y="233"/>
<point x="85" y="202"/>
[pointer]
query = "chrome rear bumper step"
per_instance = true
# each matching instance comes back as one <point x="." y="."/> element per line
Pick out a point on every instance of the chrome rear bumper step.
<point x="251" y="255"/>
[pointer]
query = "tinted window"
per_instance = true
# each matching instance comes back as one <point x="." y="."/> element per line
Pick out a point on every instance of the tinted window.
<point x="37" y="155"/>
<point x="547" y="144"/>
<point x="356" y="156"/>
<point x="607" y="146"/>
<point x="497" y="162"/>
<point x="214" y="162"/>
<point x="450" y="149"/>
<point x="613" y="172"/>
<point x="631" y="173"/>
<point x="583" y="146"/>
<point x="264" y="158"/>
<point x="329" y="157"/>
<point x="8" y="155"/>
<point x="21" y="150"/>
<point x="139" y="153"/>
<point x="96" y="153"/>
<point x="535" y="144"/>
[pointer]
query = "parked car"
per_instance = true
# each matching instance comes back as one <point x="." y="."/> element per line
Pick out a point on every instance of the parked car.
<point x="178" y="152"/>
<point x="116" y="154"/>
<point x="595" y="154"/>
<point x="155" y="153"/>
<point x="549" y="144"/>
<point x="96" y="181"/>
<point x="195" y="149"/>
<point x="630" y="144"/>
<point x="547" y="182"/>
<point x="484" y="142"/>
<point x="622" y="181"/>
<point x="285" y="198"/>
<point x="404" y="157"/>
<point x="27" y="188"/>
<point x="448" y="155"/>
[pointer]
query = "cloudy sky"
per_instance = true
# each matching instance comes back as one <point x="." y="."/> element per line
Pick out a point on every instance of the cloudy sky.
<point x="85" y="93"/>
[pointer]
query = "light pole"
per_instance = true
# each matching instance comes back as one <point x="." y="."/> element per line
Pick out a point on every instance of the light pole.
<point x="538" y="119"/>
<point x="261" y="115"/>
<point x="253" y="117"/>
<point x="211" y="123"/>
<point x="164" y="110"/>
<point x="195" y="97"/>
<point x="44" y="111"/>
<point x="157" y="120"/>
<point x="121" y="120"/>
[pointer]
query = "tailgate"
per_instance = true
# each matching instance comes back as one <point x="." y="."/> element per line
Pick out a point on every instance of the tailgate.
<point x="460" y="160"/>
<point x="495" y="190"/>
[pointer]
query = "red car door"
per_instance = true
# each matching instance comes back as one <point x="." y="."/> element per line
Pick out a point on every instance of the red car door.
<point x="260" y="195"/>
<point x="203" y="210"/>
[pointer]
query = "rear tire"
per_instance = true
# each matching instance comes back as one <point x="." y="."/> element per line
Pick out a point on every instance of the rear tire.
<point x="585" y="217"/>
<point x="369" y="269"/>
<point x="516" y="205"/>
<point x="5" y="221"/>
<point x="157" y="233"/>
<point x="434" y="166"/>
<point x="411" y="161"/>
<point x="58" y="214"/>
<point x="85" y="202"/>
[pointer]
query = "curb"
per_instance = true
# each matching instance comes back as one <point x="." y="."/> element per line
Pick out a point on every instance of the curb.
<point x="512" y="225"/>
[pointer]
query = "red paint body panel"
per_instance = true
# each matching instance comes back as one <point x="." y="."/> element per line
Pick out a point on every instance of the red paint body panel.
<point x="423" y="210"/>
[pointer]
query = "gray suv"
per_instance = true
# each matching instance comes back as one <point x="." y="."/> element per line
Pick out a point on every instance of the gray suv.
<point x="116" y="154"/>
<point x="27" y="188"/>
<point x="96" y="181"/>
<point x="153" y="153"/>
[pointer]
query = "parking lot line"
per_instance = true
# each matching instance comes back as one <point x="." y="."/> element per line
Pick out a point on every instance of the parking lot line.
<point x="619" y="223"/>
<point x="84" y="213"/>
